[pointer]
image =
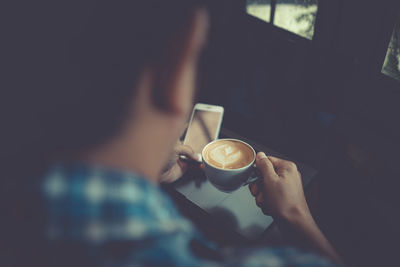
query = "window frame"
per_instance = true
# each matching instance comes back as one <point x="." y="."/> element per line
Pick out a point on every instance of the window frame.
<point x="286" y="34"/>
<point x="388" y="25"/>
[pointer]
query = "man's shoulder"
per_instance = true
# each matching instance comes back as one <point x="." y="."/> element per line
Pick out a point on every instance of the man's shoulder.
<point x="95" y="184"/>
<point x="98" y="203"/>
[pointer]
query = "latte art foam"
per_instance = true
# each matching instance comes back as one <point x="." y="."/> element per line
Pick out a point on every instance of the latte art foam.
<point x="229" y="154"/>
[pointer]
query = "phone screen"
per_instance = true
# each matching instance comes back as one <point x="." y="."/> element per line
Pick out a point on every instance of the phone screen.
<point x="203" y="129"/>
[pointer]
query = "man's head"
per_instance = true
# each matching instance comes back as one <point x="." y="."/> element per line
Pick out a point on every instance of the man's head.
<point x="100" y="73"/>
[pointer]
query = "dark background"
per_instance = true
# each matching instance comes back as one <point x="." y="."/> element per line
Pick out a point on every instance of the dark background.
<point x="324" y="102"/>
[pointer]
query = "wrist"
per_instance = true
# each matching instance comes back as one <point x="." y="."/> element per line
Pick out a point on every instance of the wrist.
<point x="296" y="217"/>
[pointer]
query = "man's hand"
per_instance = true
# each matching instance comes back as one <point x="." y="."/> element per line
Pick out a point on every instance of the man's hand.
<point x="176" y="167"/>
<point x="281" y="193"/>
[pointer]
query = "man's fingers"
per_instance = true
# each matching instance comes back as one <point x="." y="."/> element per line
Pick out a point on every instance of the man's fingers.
<point x="277" y="162"/>
<point x="259" y="200"/>
<point x="201" y="166"/>
<point x="185" y="150"/>
<point x="265" y="166"/>
<point x="281" y="164"/>
<point x="254" y="189"/>
<point x="183" y="165"/>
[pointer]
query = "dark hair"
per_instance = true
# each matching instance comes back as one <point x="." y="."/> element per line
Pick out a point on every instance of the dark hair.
<point x="81" y="65"/>
<point x="69" y="72"/>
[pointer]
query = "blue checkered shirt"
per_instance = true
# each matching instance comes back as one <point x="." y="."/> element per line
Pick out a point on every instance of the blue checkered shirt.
<point x="94" y="206"/>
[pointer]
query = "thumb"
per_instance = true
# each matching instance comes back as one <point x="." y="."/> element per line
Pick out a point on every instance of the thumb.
<point x="265" y="166"/>
<point x="185" y="150"/>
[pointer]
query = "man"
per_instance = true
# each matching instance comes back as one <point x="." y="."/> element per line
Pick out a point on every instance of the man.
<point x="113" y="83"/>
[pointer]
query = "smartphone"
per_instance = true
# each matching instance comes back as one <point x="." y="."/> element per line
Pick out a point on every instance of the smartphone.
<point x="204" y="126"/>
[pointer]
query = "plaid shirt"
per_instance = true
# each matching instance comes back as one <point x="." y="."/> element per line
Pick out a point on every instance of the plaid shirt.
<point x="93" y="207"/>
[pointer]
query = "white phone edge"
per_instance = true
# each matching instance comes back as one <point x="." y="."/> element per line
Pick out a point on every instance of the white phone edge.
<point x="211" y="108"/>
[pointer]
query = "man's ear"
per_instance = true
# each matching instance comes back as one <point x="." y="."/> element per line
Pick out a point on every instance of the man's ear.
<point x="175" y="77"/>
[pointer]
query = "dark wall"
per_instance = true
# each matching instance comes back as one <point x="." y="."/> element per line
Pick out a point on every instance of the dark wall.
<point x="324" y="102"/>
<point x="273" y="84"/>
<point x="261" y="78"/>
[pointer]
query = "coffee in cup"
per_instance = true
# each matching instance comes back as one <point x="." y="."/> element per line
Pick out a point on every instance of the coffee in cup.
<point x="229" y="154"/>
<point x="228" y="163"/>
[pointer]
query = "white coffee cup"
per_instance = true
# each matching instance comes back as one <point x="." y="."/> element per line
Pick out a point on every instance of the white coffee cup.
<point x="229" y="179"/>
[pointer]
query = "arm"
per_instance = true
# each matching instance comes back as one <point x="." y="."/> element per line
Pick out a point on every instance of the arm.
<point x="309" y="231"/>
<point x="282" y="196"/>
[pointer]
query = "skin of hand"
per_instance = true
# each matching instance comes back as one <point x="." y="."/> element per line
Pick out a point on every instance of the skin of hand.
<point x="281" y="193"/>
<point x="177" y="167"/>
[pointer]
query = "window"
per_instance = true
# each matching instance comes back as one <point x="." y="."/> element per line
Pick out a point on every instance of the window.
<point x="391" y="66"/>
<point x="260" y="9"/>
<point x="297" y="16"/>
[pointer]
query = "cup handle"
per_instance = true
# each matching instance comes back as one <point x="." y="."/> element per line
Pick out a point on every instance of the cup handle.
<point x="253" y="177"/>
